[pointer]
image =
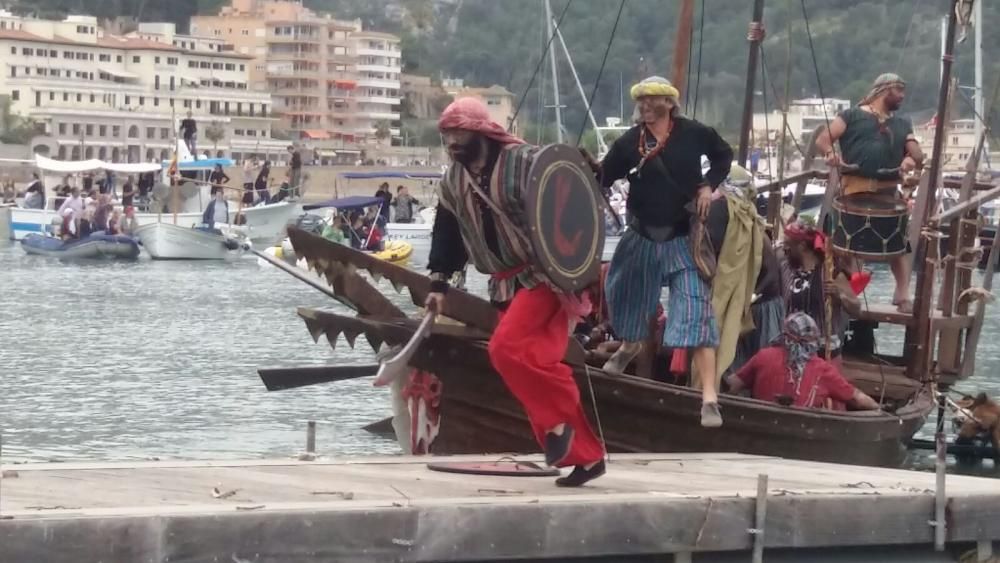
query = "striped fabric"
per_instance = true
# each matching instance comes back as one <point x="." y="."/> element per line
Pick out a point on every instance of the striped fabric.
<point x="639" y="270"/>
<point x="509" y="176"/>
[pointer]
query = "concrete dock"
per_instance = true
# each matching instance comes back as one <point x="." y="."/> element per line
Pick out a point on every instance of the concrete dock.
<point x="649" y="507"/>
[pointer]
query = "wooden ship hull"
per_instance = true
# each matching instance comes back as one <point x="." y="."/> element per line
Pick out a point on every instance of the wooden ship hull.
<point x="479" y="415"/>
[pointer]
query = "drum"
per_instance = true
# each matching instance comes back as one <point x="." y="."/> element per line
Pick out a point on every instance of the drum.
<point x="869" y="226"/>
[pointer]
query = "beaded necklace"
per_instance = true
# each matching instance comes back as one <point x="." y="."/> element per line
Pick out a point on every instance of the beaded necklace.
<point x="647" y="153"/>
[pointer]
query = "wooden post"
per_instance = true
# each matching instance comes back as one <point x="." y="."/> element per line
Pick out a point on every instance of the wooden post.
<point x="984" y="550"/>
<point x="976" y="330"/>
<point x="962" y="236"/>
<point x="940" y="465"/>
<point x="760" y="517"/>
<point x="918" y="347"/>
<point x="311" y="437"/>
<point x="682" y="44"/>
<point x="747" y="120"/>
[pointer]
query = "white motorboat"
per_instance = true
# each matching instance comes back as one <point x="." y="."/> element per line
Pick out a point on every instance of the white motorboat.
<point x="166" y="241"/>
<point x="264" y="225"/>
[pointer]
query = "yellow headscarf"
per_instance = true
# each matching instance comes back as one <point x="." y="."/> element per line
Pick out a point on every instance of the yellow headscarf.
<point x="654" y="86"/>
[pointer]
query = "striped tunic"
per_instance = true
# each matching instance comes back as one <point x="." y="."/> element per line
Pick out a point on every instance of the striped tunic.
<point x="510" y="175"/>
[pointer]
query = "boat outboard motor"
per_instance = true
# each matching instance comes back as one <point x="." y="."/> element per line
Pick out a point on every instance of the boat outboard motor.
<point x="310" y="223"/>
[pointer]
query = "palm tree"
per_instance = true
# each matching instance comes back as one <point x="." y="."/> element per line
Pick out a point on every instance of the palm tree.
<point x="215" y="132"/>
<point x="383" y="130"/>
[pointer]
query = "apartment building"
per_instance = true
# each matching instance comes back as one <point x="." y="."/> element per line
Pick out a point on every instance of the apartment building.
<point x="499" y="101"/>
<point x="333" y="83"/>
<point x="121" y="98"/>
<point x="804" y="116"/>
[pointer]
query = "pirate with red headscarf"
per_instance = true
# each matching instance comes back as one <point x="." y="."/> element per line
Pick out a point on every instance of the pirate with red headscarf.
<point x="807" y="288"/>
<point x="480" y="217"/>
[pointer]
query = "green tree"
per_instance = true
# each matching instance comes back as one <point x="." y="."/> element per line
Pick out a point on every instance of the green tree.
<point x="383" y="130"/>
<point x="15" y="129"/>
<point x="215" y="132"/>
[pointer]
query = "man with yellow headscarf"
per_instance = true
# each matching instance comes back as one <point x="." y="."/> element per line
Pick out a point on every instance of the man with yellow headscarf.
<point x="661" y="159"/>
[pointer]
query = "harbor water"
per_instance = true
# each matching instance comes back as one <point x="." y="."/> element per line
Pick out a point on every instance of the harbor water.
<point x="148" y="359"/>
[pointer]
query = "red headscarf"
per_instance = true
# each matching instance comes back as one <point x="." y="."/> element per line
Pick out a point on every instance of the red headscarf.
<point x="471" y="114"/>
<point x="801" y="232"/>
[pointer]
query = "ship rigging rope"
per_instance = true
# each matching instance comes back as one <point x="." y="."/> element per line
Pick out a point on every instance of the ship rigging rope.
<point x="600" y="72"/>
<point x="774" y="91"/>
<point x="538" y="67"/>
<point x="906" y="39"/>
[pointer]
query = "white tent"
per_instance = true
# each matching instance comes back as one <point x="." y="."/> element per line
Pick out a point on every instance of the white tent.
<point x="77" y="166"/>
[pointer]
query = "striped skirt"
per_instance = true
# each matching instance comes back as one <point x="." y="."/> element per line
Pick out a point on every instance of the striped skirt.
<point x="639" y="270"/>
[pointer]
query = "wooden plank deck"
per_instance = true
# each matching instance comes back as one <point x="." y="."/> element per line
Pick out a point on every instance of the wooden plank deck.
<point x="395" y="509"/>
<point x="886" y="313"/>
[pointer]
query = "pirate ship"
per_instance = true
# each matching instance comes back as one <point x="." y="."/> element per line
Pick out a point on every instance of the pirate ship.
<point x="467" y="409"/>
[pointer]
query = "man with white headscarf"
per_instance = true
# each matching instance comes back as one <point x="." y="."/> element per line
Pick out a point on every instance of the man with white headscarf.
<point x="661" y="159"/>
<point x="872" y="137"/>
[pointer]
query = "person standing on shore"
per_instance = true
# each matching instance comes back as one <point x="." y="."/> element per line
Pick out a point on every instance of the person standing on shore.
<point x="295" y="172"/>
<point x="531" y="338"/>
<point x="661" y="159"/>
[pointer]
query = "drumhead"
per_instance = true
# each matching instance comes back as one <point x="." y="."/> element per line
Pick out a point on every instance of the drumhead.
<point x="871" y="205"/>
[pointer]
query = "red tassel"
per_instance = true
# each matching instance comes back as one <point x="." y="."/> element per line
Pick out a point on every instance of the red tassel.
<point x="679" y="361"/>
<point x="859" y="281"/>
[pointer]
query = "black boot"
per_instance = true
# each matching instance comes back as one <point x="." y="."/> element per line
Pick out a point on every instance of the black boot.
<point x="557" y="446"/>
<point x="580" y="476"/>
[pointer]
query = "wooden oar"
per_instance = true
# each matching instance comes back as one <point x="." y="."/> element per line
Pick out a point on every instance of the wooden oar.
<point x="302" y="276"/>
<point x="278" y="379"/>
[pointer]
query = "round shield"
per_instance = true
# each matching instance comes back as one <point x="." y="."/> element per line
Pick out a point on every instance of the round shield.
<point x="565" y="217"/>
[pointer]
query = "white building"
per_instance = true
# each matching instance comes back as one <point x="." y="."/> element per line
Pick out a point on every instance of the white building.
<point x="379" y="64"/>
<point x="804" y="116"/>
<point x="121" y="98"/>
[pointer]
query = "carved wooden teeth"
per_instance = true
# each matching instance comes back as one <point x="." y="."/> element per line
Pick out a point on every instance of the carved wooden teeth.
<point x="351" y="336"/>
<point x="315" y="329"/>
<point x="331" y="337"/>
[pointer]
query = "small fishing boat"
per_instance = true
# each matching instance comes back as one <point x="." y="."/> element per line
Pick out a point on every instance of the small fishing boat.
<point x="395" y="251"/>
<point x="95" y="246"/>
<point x="165" y="241"/>
<point x="264" y="224"/>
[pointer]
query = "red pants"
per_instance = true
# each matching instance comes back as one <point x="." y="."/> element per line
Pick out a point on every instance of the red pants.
<point x="527" y="349"/>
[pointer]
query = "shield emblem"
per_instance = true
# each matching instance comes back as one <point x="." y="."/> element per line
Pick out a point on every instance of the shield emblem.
<point x="565" y="217"/>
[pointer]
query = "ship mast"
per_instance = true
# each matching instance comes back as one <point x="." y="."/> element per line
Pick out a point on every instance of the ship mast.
<point x="747" y="121"/>
<point x="918" y="346"/>
<point x="682" y="44"/>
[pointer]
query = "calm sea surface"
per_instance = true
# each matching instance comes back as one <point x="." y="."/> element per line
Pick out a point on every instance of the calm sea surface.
<point x="118" y="361"/>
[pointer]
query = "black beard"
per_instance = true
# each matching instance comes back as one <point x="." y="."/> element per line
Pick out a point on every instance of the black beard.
<point x="467" y="154"/>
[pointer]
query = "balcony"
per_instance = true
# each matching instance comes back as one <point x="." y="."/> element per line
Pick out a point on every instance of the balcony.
<point x="340" y="59"/>
<point x="379" y="68"/>
<point x="293" y="38"/>
<point x="293" y="55"/>
<point x="378" y="83"/>
<point x="377" y="115"/>
<point x="293" y="73"/>
<point x="368" y="51"/>
<point x="295" y="92"/>
<point x="382" y="100"/>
